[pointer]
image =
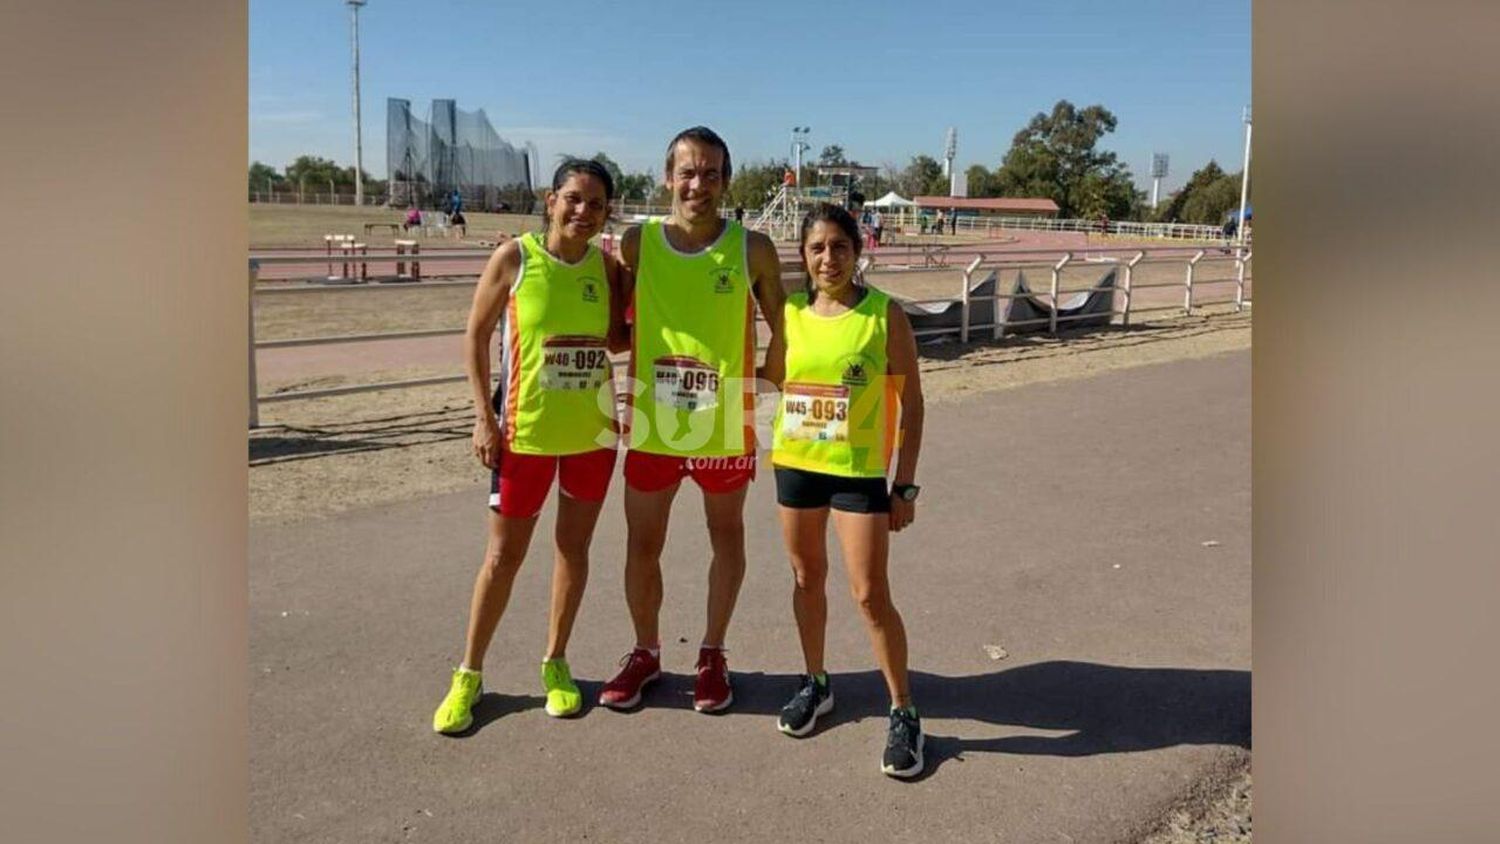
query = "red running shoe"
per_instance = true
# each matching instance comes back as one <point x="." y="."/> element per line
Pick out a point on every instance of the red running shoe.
<point x="711" y="692"/>
<point x="639" y="667"/>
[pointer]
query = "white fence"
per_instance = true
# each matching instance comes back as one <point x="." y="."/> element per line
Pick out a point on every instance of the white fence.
<point x="1124" y="296"/>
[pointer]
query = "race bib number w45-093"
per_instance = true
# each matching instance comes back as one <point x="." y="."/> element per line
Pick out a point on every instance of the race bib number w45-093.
<point x="685" y="383"/>
<point x="574" y="363"/>
<point x="816" y="412"/>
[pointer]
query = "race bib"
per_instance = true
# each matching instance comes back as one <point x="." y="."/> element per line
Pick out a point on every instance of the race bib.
<point x="686" y="383"/>
<point x="815" y="412"/>
<point x="574" y="363"/>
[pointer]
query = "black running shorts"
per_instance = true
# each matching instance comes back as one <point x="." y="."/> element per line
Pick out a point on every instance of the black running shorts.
<point x="804" y="490"/>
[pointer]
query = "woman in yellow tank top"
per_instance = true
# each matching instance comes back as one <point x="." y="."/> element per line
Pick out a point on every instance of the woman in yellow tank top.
<point x="557" y="298"/>
<point x="851" y="363"/>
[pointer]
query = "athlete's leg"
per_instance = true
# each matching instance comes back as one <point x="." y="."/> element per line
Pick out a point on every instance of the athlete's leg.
<point x="725" y="512"/>
<point x="646" y="516"/>
<point x="865" y="539"/>
<point x="576" y="519"/>
<point x="509" y="537"/>
<point x="582" y="482"/>
<point x="805" y="531"/>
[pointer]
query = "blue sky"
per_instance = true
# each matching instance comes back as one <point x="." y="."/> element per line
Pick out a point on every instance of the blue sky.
<point x="883" y="80"/>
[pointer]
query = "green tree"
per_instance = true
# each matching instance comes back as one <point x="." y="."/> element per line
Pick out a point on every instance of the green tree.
<point x="1208" y="196"/>
<point x="1057" y="156"/>
<point x="981" y="181"/>
<point x="314" y="172"/>
<point x="615" y="174"/>
<point x="263" y="177"/>
<point x="832" y="155"/>
<point x="636" y="187"/>
<point x="754" y="184"/>
<point x="923" y="177"/>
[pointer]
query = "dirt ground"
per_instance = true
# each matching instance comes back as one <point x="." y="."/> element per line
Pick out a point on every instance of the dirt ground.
<point x="318" y="457"/>
<point x="1219" y="811"/>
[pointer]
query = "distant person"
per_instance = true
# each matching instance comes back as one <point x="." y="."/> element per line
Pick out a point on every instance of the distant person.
<point x="562" y="305"/>
<point x="413" y="219"/>
<point x="877" y="225"/>
<point x="456" y="219"/>
<point x="938" y="229"/>
<point x="788" y="178"/>
<point x="455" y="202"/>
<point x="1228" y="231"/>
<point x="739" y="214"/>
<point x="952" y="221"/>
<point x="850" y="364"/>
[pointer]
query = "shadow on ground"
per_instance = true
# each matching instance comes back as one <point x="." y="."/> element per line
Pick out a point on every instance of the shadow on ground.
<point x="283" y="443"/>
<point x="1099" y="708"/>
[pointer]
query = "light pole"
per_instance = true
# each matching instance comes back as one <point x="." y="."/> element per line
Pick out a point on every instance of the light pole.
<point x="1244" y="179"/>
<point x="799" y="143"/>
<point x="359" y="151"/>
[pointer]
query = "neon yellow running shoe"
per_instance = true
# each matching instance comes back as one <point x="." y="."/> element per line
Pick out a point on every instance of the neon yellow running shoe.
<point x="563" y="697"/>
<point x="455" y="713"/>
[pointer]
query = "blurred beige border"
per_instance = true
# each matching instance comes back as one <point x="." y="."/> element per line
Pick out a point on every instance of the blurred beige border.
<point x="122" y="493"/>
<point x="1375" y="421"/>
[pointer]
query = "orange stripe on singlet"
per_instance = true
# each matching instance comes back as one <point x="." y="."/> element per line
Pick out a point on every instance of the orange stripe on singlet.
<point x="513" y="376"/>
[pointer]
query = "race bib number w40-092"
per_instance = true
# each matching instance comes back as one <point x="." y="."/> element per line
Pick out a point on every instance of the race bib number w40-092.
<point x="816" y="412"/>
<point x="574" y="363"/>
<point x="685" y="383"/>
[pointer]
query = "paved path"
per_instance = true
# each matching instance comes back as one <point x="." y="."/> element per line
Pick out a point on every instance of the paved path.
<point x="1065" y="522"/>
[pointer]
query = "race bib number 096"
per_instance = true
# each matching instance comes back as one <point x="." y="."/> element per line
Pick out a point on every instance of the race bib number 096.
<point x="685" y="383"/>
<point x="574" y="363"/>
<point x="815" y="412"/>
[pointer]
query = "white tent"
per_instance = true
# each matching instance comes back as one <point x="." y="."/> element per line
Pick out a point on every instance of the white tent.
<point x="893" y="200"/>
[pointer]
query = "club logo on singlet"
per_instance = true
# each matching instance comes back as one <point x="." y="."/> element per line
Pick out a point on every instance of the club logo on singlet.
<point x="724" y="280"/>
<point x="590" y="289"/>
<point x="856" y="371"/>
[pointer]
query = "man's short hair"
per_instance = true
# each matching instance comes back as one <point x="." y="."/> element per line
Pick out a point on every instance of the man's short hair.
<point x="703" y="135"/>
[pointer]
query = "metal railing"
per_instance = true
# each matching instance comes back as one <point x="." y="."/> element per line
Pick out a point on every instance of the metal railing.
<point x="1122" y="303"/>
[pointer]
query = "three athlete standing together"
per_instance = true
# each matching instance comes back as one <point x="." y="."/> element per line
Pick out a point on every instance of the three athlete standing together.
<point x="841" y="352"/>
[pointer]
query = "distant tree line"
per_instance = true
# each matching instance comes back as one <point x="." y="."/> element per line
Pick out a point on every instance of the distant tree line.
<point x="1056" y="156"/>
<point x="309" y="173"/>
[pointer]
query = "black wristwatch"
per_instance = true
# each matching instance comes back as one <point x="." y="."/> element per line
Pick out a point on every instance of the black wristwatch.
<point x="905" y="492"/>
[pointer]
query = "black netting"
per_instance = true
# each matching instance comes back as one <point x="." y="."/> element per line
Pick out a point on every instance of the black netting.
<point x="452" y="149"/>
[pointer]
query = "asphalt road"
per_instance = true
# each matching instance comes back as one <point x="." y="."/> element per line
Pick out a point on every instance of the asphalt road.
<point x="1097" y="530"/>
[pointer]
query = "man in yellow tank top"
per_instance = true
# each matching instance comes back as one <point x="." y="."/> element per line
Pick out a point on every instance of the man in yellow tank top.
<point x="693" y="280"/>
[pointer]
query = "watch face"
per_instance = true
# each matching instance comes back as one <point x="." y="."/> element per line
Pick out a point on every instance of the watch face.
<point x="909" y="493"/>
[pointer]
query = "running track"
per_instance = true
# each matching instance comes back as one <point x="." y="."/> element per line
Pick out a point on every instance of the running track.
<point x="1082" y="554"/>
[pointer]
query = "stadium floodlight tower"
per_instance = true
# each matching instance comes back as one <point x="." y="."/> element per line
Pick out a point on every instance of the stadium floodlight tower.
<point x="799" y="143"/>
<point x="359" y="150"/>
<point x="950" y="151"/>
<point x="1158" y="172"/>
<point x="1239" y="229"/>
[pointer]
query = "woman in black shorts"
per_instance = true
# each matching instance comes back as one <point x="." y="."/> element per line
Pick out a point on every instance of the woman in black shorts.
<point x="851" y="364"/>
